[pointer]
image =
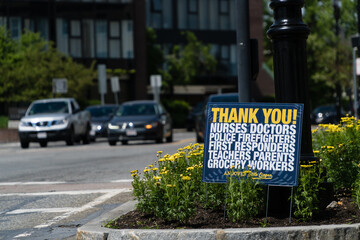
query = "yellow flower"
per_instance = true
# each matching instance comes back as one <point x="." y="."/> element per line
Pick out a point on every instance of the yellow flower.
<point x="306" y="166"/>
<point x="159" y="152"/>
<point x="155" y="169"/>
<point x="134" y="171"/>
<point x="146" y="170"/>
<point x="316" y="151"/>
<point x="134" y="174"/>
<point x="190" y="168"/>
<point x="157" y="178"/>
<point x="170" y="185"/>
<point x="162" y="160"/>
<point x="186" y="178"/>
<point x="151" y="166"/>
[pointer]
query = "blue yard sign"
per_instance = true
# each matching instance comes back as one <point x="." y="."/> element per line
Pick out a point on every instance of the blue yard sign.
<point x="258" y="140"/>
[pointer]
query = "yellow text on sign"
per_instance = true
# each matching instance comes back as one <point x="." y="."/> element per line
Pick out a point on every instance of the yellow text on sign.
<point x="284" y="116"/>
<point x="249" y="115"/>
<point x="238" y="115"/>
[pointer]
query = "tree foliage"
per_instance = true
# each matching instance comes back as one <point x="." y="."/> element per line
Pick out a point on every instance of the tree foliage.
<point x="328" y="54"/>
<point x="186" y="63"/>
<point x="28" y="65"/>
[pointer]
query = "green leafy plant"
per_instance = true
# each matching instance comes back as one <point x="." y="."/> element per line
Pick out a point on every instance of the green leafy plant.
<point x="339" y="148"/>
<point x="3" y="122"/>
<point x="244" y="197"/>
<point x="306" y="196"/>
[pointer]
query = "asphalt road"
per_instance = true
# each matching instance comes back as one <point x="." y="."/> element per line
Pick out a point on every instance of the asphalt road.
<point x="46" y="193"/>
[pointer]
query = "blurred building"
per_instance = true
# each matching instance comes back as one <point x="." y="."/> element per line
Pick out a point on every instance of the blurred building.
<point x="113" y="32"/>
<point x="213" y="22"/>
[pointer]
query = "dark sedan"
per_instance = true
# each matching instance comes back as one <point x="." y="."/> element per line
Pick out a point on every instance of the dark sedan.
<point x="200" y="119"/>
<point x="140" y="120"/>
<point x="325" y="114"/>
<point x="100" y="117"/>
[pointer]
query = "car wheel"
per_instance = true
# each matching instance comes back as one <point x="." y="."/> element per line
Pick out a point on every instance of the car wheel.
<point x="24" y="144"/>
<point x="112" y="143"/>
<point x="86" y="138"/>
<point x="43" y="144"/>
<point x="124" y="142"/>
<point x="199" y="139"/>
<point x="71" y="138"/>
<point x="170" y="138"/>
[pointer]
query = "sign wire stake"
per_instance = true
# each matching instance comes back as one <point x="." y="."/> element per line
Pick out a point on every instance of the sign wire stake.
<point x="267" y="203"/>
<point x="292" y="192"/>
<point x="225" y="200"/>
<point x="206" y="185"/>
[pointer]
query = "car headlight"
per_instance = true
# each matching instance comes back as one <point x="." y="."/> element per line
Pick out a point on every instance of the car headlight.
<point x="96" y="127"/>
<point x="60" y="122"/>
<point x="111" y="126"/>
<point x="25" y="124"/>
<point x="151" y="125"/>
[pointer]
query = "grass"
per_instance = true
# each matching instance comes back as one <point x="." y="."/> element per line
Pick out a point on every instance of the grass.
<point x="3" y="121"/>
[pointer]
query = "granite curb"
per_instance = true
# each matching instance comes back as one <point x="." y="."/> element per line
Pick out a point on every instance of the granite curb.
<point x="94" y="231"/>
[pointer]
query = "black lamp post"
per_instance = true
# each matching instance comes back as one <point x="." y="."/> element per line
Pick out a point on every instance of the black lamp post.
<point x="289" y="34"/>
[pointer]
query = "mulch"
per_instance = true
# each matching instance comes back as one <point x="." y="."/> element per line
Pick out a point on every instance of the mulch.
<point x="344" y="212"/>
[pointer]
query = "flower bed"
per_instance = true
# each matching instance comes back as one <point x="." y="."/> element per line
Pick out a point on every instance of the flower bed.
<point x="171" y="189"/>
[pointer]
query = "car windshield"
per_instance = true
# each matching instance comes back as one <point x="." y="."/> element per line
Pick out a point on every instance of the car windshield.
<point x="136" y="110"/>
<point x="323" y="109"/>
<point x="101" y="111"/>
<point x="49" y="107"/>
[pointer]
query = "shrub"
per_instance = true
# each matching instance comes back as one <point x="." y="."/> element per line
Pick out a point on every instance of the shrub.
<point x="178" y="110"/>
<point x="339" y="148"/>
<point x="244" y="197"/>
<point x="172" y="189"/>
<point x="3" y="122"/>
<point x="306" y="196"/>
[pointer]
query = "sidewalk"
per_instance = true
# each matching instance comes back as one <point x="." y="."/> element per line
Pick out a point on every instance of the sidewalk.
<point x="94" y="230"/>
<point x="8" y="135"/>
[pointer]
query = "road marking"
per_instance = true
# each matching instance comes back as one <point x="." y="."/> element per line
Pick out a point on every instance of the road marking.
<point x="25" y="234"/>
<point x="40" y="210"/>
<point x="28" y="183"/>
<point x="97" y="201"/>
<point x="67" y="192"/>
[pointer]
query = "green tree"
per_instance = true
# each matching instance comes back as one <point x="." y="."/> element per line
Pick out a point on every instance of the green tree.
<point x="155" y="56"/>
<point x="28" y="65"/>
<point x="188" y="62"/>
<point x="328" y="55"/>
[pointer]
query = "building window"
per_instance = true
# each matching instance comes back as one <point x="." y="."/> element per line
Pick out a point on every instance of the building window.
<point x="15" y="27"/>
<point x="156" y="13"/>
<point x="101" y="39"/>
<point x="224" y="12"/>
<point x="225" y="59"/>
<point x="127" y="39"/>
<point x="62" y="37"/>
<point x="193" y="11"/>
<point x="88" y="38"/>
<point x="114" y="41"/>
<point x="75" y="38"/>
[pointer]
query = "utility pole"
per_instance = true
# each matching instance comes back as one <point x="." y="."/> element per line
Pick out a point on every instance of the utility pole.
<point x="243" y="46"/>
